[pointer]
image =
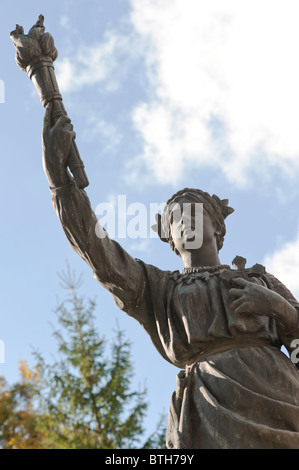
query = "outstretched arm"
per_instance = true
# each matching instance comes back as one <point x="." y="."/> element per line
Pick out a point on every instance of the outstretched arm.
<point x="113" y="267"/>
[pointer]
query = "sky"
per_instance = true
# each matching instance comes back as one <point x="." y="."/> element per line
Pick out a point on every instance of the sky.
<point x="162" y="96"/>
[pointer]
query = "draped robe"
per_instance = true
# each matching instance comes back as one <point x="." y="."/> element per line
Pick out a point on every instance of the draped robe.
<point x="236" y="388"/>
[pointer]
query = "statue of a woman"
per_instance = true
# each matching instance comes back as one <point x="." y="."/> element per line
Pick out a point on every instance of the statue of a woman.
<point x="236" y="388"/>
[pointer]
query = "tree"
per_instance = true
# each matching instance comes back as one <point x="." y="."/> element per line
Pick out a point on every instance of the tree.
<point x="83" y="399"/>
<point x="18" y="420"/>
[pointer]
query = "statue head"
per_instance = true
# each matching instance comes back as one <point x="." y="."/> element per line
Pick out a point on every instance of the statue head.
<point x="215" y="212"/>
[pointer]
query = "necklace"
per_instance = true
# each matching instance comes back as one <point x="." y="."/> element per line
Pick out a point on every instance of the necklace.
<point x="205" y="269"/>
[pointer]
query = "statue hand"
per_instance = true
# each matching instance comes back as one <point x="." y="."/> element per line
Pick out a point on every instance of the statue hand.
<point x="256" y="299"/>
<point x="56" y="140"/>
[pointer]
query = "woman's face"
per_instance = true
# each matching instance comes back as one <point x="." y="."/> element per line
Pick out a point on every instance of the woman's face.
<point x="191" y="226"/>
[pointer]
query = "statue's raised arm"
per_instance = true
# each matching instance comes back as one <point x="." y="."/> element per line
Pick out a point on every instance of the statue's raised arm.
<point x="35" y="54"/>
<point x="112" y="266"/>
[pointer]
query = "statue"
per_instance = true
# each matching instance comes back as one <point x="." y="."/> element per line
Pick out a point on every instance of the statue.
<point x="224" y="327"/>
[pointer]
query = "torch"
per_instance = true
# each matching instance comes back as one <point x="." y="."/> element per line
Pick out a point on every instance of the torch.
<point x="35" y="54"/>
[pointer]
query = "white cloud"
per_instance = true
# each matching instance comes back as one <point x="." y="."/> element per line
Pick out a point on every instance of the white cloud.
<point x="284" y="264"/>
<point x="91" y="65"/>
<point x="219" y="68"/>
<point x="106" y="132"/>
<point x="64" y="21"/>
<point x="222" y="84"/>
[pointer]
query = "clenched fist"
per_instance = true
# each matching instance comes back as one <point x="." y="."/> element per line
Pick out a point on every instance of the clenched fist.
<point x="56" y="142"/>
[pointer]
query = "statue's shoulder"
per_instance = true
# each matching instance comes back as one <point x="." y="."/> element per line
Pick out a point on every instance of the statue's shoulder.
<point x="157" y="273"/>
<point x="275" y="284"/>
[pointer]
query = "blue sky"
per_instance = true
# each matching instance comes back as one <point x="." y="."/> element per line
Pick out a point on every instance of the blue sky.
<point x="162" y="96"/>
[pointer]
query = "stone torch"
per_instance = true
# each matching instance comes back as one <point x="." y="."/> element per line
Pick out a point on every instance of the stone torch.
<point x="35" y="54"/>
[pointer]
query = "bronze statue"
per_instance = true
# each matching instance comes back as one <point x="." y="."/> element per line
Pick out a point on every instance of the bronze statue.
<point x="224" y="327"/>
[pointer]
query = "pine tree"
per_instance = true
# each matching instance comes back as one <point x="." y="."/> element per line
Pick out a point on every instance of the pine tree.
<point x="84" y="399"/>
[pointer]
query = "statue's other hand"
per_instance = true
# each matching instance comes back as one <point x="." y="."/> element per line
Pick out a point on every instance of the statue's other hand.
<point x="56" y="142"/>
<point x="252" y="298"/>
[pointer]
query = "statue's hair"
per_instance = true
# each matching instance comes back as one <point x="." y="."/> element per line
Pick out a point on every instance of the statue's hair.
<point x="217" y="209"/>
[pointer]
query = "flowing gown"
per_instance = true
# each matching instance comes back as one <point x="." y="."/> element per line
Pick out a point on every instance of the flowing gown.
<point x="236" y="388"/>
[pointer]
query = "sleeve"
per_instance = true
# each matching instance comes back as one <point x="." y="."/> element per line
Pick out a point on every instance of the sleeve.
<point x="289" y="332"/>
<point x="151" y="308"/>
<point x="112" y="266"/>
<point x="137" y="288"/>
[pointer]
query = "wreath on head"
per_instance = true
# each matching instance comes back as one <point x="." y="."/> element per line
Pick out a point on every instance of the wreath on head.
<point x="217" y="209"/>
